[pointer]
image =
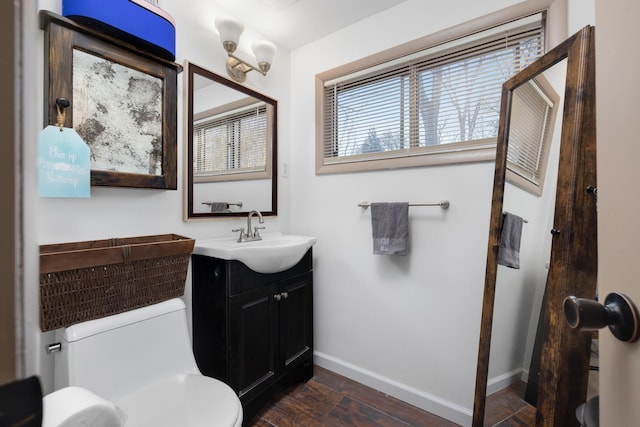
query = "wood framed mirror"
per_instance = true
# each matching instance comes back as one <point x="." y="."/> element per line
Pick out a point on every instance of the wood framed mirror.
<point x="231" y="150"/>
<point x="123" y="103"/>
<point x="558" y="358"/>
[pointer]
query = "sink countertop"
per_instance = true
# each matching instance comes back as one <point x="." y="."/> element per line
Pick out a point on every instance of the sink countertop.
<point x="274" y="253"/>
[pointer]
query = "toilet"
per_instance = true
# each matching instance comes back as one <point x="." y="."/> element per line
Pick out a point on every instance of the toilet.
<point x="136" y="369"/>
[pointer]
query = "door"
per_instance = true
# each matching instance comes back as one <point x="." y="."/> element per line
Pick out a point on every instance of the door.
<point x="253" y="340"/>
<point x="296" y="317"/>
<point x="618" y="92"/>
<point x="9" y="86"/>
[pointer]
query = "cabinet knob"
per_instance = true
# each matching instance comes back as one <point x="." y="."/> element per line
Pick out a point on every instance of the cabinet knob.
<point x="277" y="297"/>
<point x="285" y="295"/>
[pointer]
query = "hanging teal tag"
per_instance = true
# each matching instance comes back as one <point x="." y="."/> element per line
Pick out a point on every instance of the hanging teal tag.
<point x="64" y="168"/>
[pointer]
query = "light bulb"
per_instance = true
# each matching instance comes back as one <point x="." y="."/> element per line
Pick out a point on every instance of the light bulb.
<point x="264" y="52"/>
<point x="230" y="30"/>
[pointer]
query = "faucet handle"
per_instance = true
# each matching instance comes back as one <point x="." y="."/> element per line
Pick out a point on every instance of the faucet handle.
<point x="256" y="233"/>
<point x="241" y="230"/>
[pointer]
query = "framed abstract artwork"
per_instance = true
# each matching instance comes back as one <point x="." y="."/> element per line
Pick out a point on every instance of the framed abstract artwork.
<point x="123" y="103"/>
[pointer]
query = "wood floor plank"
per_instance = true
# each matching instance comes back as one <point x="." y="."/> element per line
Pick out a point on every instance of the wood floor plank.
<point x="401" y="410"/>
<point x="504" y="403"/>
<point x="316" y="395"/>
<point x="354" y="413"/>
<point x="526" y="417"/>
<point x="259" y="422"/>
<point x="290" y="412"/>
<point x="339" y="383"/>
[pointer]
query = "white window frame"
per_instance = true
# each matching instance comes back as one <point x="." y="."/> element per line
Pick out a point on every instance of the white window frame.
<point x="481" y="151"/>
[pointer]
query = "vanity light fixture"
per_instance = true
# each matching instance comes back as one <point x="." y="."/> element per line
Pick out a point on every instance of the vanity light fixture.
<point x="230" y="30"/>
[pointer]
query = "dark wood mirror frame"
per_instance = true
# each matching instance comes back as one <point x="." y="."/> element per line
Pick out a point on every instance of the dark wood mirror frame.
<point x="62" y="37"/>
<point x="564" y="355"/>
<point x="190" y="71"/>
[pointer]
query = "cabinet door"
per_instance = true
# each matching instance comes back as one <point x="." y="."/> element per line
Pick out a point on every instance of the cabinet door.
<point x="296" y="318"/>
<point x="253" y="340"/>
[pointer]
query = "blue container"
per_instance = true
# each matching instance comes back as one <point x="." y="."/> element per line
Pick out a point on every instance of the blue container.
<point x="134" y="21"/>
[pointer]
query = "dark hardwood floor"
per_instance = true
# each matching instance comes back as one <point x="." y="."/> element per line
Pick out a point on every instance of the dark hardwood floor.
<point x="331" y="400"/>
<point x="507" y="408"/>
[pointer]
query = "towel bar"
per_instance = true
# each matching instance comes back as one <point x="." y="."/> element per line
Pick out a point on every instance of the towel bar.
<point x="523" y="220"/>
<point x="238" y="204"/>
<point x="444" y="204"/>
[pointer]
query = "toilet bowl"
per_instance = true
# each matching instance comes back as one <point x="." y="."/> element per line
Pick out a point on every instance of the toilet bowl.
<point x="141" y="361"/>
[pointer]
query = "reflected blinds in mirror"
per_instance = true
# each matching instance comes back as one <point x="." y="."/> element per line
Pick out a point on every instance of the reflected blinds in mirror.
<point x="231" y="143"/>
<point x="443" y="98"/>
<point x="529" y="131"/>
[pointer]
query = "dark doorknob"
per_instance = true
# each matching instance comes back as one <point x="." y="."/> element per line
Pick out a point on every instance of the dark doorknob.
<point x="619" y="313"/>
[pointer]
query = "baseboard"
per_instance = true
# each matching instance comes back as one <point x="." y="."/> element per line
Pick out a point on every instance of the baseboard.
<point x="505" y="380"/>
<point x="440" y="407"/>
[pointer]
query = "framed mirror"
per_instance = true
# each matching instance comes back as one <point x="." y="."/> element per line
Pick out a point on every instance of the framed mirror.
<point x="558" y="247"/>
<point x="231" y="147"/>
<point x="123" y="103"/>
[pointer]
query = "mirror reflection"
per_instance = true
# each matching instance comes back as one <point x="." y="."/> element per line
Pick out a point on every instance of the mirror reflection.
<point x="530" y="195"/>
<point x="231" y="147"/>
<point x="526" y="352"/>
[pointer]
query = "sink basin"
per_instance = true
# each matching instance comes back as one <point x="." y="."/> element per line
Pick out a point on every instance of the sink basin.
<point x="275" y="252"/>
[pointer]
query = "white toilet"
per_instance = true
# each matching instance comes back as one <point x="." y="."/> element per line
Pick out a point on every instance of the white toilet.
<point x="137" y="367"/>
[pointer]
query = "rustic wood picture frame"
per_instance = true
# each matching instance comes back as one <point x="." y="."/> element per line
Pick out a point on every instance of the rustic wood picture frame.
<point x="62" y="37"/>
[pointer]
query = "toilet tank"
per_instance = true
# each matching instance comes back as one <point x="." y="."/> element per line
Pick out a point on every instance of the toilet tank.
<point x="118" y="354"/>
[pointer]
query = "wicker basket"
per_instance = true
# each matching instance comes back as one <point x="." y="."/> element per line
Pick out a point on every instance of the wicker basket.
<point x="82" y="281"/>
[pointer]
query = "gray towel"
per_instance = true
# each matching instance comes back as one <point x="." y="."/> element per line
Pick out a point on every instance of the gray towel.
<point x="390" y="228"/>
<point x="509" y="251"/>
<point x="218" y="206"/>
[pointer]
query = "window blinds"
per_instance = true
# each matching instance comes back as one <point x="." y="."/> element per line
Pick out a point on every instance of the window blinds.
<point x="531" y="114"/>
<point x="231" y="143"/>
<point x="442" y="100"/>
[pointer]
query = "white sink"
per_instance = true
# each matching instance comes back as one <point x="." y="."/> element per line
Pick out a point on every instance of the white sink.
<point x="275" y="252"/>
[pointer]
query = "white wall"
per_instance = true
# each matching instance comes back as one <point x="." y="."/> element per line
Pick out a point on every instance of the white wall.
<point x="406" y="325"/>
<point x="121" y="212"/>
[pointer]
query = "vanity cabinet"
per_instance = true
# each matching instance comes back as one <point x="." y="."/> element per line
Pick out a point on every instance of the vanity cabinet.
<point x="251" y="330"/>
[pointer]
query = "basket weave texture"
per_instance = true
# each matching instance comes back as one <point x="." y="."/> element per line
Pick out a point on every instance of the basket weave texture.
<point x="82" y="281"/>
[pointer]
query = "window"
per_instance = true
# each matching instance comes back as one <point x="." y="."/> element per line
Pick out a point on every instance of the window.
<point x="231" y="143"/>
<point x="443" y="101"/>
<point x="533" y="113"/>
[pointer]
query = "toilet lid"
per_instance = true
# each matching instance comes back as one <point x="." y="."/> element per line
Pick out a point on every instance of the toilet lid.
<point x="183" y="400"/>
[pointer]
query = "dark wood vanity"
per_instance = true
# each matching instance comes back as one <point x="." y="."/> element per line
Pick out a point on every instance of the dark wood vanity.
<point x="251" y="330"/>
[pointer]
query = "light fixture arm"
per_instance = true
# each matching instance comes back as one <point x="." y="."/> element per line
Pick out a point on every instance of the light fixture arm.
<point x="238" y="68"/>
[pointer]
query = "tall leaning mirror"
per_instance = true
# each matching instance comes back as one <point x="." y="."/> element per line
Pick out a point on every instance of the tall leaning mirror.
<point x="231" y="150"/>
<point x="524" y="339"/>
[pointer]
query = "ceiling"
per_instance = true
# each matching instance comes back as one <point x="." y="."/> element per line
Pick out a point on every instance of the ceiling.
<point x="294" y="23"/>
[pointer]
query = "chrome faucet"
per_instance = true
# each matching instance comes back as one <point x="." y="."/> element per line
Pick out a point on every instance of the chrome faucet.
<point x="250" y="236"/>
